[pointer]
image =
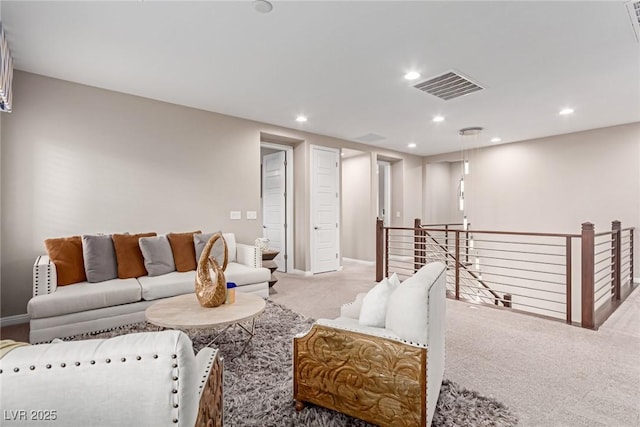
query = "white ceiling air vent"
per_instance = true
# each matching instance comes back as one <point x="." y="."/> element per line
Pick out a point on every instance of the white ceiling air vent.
<point x="633" y="7"/>
<point x="448" y="86"/>
<point x="370" y="137"/>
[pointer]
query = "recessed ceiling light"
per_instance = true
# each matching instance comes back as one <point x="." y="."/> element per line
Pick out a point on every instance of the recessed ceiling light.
<point x="412" y="145"/>
<point x="301" y="119"/>
<point x="494" y="140"/>
<point x="412" y="75"/>
<point x="262" y="6"/>
<point x="438" y="119"/>
<point x="566" y="111"/>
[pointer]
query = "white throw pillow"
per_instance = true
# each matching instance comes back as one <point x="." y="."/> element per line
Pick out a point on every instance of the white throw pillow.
<point x="407" y="314"/>
<point x="395" y="280"/>
<point x="374" y="304"/>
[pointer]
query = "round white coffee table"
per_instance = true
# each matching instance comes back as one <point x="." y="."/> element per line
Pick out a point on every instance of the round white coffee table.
<point x="185" y="312"/>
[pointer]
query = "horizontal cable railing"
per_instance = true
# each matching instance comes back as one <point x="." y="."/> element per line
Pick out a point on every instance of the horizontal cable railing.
<point x="524" y="271"/>
<point x="603" y="263"/>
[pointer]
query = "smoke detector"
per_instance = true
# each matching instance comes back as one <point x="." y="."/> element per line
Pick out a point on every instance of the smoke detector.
<point x="262" y="6"/>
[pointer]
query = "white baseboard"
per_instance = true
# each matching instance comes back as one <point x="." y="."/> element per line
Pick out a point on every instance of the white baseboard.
<point x="636" y="280"/>
<point x="359" y="261"/>
<point x="301" y="272"/>
<point x="14" y="320"/>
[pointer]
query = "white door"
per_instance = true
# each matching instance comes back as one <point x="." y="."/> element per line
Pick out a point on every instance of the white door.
<point x="325" y="210"/>
<point x="274" y="204"/>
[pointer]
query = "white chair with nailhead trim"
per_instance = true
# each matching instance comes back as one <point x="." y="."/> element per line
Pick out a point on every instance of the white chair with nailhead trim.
<point x="143" y="379"/>
<point x="390" y="375"/>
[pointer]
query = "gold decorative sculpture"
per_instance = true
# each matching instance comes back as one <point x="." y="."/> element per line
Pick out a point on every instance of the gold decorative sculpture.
<point x="211" y="292"/>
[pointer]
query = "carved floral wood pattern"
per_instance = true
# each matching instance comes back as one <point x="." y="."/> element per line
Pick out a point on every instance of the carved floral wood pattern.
<point x="372" y="378"/>
<point x="210" y="411"/>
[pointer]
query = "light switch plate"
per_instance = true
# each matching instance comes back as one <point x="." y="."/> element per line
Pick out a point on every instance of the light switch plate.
<point x="236" y="215"/>
<point x="252" y="215"/>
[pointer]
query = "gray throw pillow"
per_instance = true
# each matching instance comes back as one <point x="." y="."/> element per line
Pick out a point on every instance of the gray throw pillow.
<point x="99" y="258"/>
<point x="157" y="254"/>
<point x="217" y="251"/>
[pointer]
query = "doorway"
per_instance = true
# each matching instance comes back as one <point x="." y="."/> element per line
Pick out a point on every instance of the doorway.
<point x="384" y="191"/>
<point x="277" y="201"/>
<point x="325" y="209"/>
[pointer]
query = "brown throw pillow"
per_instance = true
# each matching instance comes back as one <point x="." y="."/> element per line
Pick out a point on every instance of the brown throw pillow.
<point x="66" y="255"/>
<point x="129" y="255"/>
<point x="184" y="251"/>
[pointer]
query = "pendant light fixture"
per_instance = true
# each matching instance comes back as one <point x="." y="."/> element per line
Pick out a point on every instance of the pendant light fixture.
<point x="464" y="150"/>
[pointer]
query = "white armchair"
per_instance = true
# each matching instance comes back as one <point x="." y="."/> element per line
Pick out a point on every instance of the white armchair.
<point x="150" y="378"/>
<point x="391" y="375"/>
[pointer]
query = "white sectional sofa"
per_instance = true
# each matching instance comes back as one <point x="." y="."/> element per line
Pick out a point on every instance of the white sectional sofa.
<point x="89" y="307"/>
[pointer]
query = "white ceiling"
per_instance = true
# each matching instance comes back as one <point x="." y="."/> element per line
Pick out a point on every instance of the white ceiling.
<point x="342" y="63"/>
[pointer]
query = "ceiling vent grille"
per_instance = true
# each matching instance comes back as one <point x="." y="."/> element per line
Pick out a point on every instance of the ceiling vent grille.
<point x="370" y="137"/>
<point x="448" y="86"/>
<point x="633" y="7"/>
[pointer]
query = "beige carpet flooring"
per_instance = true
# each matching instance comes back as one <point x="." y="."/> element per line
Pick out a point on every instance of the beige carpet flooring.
<point x="548" y="373"/>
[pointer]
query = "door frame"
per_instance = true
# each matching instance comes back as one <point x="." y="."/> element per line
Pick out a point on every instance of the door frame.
<point x="387" y="190"/>
<point x="288" y="230"/>
<point x="313" y="263"/>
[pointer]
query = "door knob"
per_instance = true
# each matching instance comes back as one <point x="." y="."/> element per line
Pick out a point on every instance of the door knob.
<point x="315" y="228"/>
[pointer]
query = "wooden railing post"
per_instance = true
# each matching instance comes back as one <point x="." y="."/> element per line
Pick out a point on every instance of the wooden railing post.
<point x="379" y="249"/>
<point x="588" y="238"/>
<point x="466" y="246"/>
<point x="631" y="276"/>
<point x="568" y="278"/>
<point x="506" y="300"/>
<point x="457" y="264"/>
<point x="446" y="240"/>
<point x="419" y="252"/>
<point x="616" y="270"/>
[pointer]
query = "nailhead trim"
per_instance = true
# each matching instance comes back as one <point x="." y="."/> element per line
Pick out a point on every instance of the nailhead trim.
<point x="108" y="360"/>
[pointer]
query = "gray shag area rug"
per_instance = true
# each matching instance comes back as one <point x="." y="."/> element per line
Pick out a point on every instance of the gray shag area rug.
<point x="258" y="385"/>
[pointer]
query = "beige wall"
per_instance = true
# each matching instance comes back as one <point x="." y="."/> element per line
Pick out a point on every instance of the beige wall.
<point x="358" y="209"/>
<point x="412" y="190"/>
<point x="554" y="184"/>
<point x="77" y="159"/>
<point x="82" y="160"/>
<point x="437" y="194"/>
